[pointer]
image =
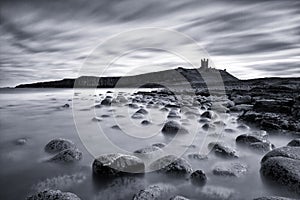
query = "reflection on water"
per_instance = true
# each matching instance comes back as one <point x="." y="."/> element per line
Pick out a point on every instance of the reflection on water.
<point x="38" y="116"/>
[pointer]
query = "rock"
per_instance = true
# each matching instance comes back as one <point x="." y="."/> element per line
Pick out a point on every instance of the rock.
<point x="117" y="164"/>
<point x="68" y="155"/>
<point x="198" y="177"/>
<point x="217" y="193"/>
<point x="230" y="169"/>
<point x="133" y="105"/>
<point x="272" y="105"/>
<point x="204" y="120"/>
<point x="105" y="116"/>
<point x="241" y="107"/>
<point x="147" y="150"/>
<point x="155" y="192"/>
<point x="282" y="165"/>
<point x="171" y="165"/>
<point x="53" y="195"/>
<point x="21" y="141"/>
<point x="294" y="143"/>
<point x="164" y="109"/>
<point x="283" y="170"/>
<point x="289" y="152"/>
<point x="145" y="122"/>
<point x="97" y="119"/>
<point x="209" y="114"/>
<point x="106" y="102"/>
<point x="59" y="144"/>
<point x="262" y="147"/>
<point x="173" y="127"/>
<point x="173" y="114"/>
<point x="116" y="127"/>
<point x="229" y="130"/>
<point x="273" y="198"/>
<point x="159" y="145"/>
<point x="142" y="111"/>
<point x="137" y="116"/>
<point x="242" y="100"/>
<point x="243" y="127"/>
<point x="197" y="156"/>
<point x="208" y="127"/>
<point x="247" y="139"/>
<point x="179" y="198"/>
<point x="66" y="105"/>
<point x="223" y="150"/>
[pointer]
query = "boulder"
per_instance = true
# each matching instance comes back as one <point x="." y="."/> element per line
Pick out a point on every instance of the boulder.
<point x="209" y="127"/>
<point x="142" y="111"/>
<point x="133" y="105"/>
<point x="106" y="102"/>
<point x="147" y="150"/>
<point x="117" y="164"/>
<point x="171" y="165"/>
<point x="223" y="150"/>
<point x="242" y="100"/>
<point x="179" y="198"/>
<point x="294" y="143"/>
<point x="209" y="114"/>
<point x="241" y="107"/>
<point x="155" y="192"/>
<point x="262" y="147"/>
<point x="137" y="116"/>
<point x="198" y="177"/>
<point x="68" y="155"/>
<point x="59" y="144"/>
<point x="173" y="127"/>
<point x="282" y="165"/>
<point x="145" y="122"/>
<point x="247" y="139"/>
<point x="235" y="169"/>
<point x="197" y="156"/>
<point x="173" y="114"/>
<point x="53" y="195"/>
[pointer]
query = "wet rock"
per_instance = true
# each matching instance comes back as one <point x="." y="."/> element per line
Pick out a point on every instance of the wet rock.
<point x="229" y="130"/>
<point x="53" y="195"/>
<point x="97" y="119"/>
<point x="272" y="105"/>
<point x="68" y="155"/>
<point x="117" y="164"/>
<point x="59" y="144"/>
<point x="121" y="99"/>
<point x="204" y="120"/>
<point x="155" y="192"/>
<point x="209" y="114"/>
<point x="294" y="143"/>
<point x="247" y="139"/>
<point x="147" y="150"/>
<point x="137" y="116"/>
<point x="179" y="198"/>
<point x="171" y="165"/>
<point x="164" y="109"/>
<point x="208" y="127"/>
<point x="21" y="141"/>
<point x="172" y="106"/>
<point x="219" y="123"/>
<point x="218" y="193"/>
<point x="197" y="156"/>
<point x="173" y="127"/>
<point x="282" y="166"/>
<point x="106" y="102"/>
<point x="173" y="114"/>
<point x="116" y="127"/>
<point x="243" y="127"/>
<point x="273" y="198"/>
<point x="242" y="100"/>
<point x="223" y="150"/>
<point x="159" y="145"/>
<point x="262" y="147"/>
<point x="230" y="169"/>
<point x="198" y="177"/>
<point x="142" y="111"/>
<point x="66" y="105"/>
<point x="145" y="122"/>
<point x="105" y="116"/>
<point x="241" y="107"/>
<point x="133" y="105"/>
<point x="289" y="152"/>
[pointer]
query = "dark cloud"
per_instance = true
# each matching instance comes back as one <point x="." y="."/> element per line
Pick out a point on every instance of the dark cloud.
<point x="43" y="40"/>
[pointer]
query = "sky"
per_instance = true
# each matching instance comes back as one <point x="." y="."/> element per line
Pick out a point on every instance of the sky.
<point x="50" y="40"/>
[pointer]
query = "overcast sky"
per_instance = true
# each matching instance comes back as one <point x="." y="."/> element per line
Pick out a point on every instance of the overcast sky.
<point x="48" y="40"/>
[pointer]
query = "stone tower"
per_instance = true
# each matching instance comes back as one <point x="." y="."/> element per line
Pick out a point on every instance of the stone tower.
<point x="204" y="63"/>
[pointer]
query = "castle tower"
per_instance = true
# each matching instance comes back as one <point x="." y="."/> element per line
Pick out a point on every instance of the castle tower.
<point x="204" y="63"/>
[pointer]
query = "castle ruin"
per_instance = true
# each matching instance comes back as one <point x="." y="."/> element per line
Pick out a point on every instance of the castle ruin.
<point x="204" y="63"/>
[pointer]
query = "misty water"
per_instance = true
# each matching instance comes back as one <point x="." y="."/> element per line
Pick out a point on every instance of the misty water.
<point x="38" y="116"/>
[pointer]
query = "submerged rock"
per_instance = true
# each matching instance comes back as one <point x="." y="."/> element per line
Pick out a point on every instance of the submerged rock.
<point x="53" y="195"/>
<point x="147" y="150"/>
<point x="155" y="192"/>
<point x="159" y="145"/>
<point x="179" y="198"/>
<point x="218" y="193"/>
<point x="117" y="164"/>
<point x="209" y="114"/>
<point x="145" y="122"/>
<point x="21" y="141"/>
<point x="223" y="150"/>
<point x="173" y="114"/>
<point x="282" y="165"/>
<point x="235" y="169"/>
<point x="59" y="144"/>
<point x="68" y="155"/>
<point x="262" y="147"/>
<point x="198" y="177"/>
<point x="142" y="111"/>
<point x="171" y="165"/>
<point x="137" y="116"/>
<point x="197" y="156"/>
<point x="247" y="139"/>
